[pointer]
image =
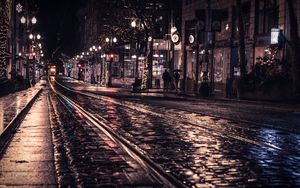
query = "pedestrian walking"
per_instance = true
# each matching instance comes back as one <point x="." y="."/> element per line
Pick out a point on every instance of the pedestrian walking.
<point x="176" y="76"/>
<point x="167" y="78"/>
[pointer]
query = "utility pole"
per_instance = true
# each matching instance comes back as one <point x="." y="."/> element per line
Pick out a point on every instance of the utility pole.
<point x="197" y="58"/>
<point x="28" y="42"/>
<point x="205" y="89"/>
<point x="172" y="53"/>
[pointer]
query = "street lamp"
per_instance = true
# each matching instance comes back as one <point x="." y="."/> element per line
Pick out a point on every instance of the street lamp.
<point x="26" y="21"/>
<point x="34" y="39"/>
<point x="110" y="41"/>
<point x="133" y="23"/>
<point x="93" y="50"/>
<point x="33" y="20"/>
<point x="23" y="20"/>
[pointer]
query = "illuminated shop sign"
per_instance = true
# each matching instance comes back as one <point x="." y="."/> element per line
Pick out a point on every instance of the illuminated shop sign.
<point x="275" y="33"/>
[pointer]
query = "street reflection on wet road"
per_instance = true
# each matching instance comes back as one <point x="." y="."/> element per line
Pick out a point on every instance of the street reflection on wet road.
<point x="11" y="105"/>
<point x="218" y="152"/>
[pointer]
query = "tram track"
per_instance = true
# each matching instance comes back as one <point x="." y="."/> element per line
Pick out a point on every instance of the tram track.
<point x="234" y="121"/>
<point x="148" y="145"/>
<point x="131" y="149"/>
<point x="221" y="133"/>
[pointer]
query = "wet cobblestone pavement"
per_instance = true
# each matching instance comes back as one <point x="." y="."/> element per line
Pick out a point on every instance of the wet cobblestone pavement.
<point x="12" y="104"/>
<point x="85" y="157"/>
<point x="202" y="150"/>
<point x="279" y="116"/>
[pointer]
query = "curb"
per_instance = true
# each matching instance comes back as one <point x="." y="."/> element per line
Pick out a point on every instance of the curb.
<point x="15" y="122"/>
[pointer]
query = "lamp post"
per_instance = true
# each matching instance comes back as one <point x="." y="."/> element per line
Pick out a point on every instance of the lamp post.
<point x="134" y="25"/>
<point x="110" y="41"/>
<point x="94" y="51"/>
<point x="33" y="53"/>
<point x="27" y="21"/>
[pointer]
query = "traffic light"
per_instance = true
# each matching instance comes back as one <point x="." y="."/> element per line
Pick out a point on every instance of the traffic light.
<point x="111" y="57"/>
<point x="79" y="65"/>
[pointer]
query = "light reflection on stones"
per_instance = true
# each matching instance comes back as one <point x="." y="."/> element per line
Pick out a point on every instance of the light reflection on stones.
<point x="199" y="157"/>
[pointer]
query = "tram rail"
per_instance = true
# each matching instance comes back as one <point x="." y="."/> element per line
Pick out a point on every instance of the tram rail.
<point x="132" y="150"/>
<point x="217" y="131"/>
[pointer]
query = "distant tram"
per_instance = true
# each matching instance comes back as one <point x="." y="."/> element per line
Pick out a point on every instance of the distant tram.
<point x="52" y="71"/>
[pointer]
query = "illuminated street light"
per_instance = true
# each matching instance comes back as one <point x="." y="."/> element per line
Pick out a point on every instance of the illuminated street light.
<point x="23" y="20"/>
<point x="94" y="47"/>
<point x="35" y="37"/>
<point x="133" y="23"/>
<point x="33" y="20"/>
<point x="114" y="39"/>
<point x="173" y="29"/>
<point x="99" y="47"/>
<point x="91" y="49"/>
<point x="106" y="39"/>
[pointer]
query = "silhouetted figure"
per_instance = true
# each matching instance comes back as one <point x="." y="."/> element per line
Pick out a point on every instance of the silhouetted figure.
<point x="176" y="76"/>
<point x="167" y="78"/>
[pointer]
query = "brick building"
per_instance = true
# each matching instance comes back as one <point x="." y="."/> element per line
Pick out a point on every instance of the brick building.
<point x="259" y="17"/>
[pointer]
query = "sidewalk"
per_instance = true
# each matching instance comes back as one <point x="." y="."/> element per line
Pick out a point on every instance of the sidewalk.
<point x="29" y="159"/>
<point x="12" y="104"/>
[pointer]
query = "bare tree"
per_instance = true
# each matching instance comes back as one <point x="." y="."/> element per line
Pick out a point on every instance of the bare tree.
<point x="120" y="26"/>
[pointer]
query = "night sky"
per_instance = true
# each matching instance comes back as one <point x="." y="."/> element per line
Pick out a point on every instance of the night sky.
<point x="57" y="22"/>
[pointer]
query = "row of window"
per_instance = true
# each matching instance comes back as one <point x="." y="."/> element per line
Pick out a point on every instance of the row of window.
<point x="266" y="18"/>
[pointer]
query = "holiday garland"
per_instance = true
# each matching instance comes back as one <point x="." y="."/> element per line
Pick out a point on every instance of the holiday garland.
<point x="4" y="27"/>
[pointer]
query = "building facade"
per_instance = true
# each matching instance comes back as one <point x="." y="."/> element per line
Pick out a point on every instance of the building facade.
<point x="99" y="20"/>
<point x="222" y="39"/>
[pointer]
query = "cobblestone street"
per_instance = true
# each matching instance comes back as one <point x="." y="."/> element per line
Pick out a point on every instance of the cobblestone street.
<point x="202" y="150"/>
<point x="118" y="140"/>
<point x="149" y="93"/>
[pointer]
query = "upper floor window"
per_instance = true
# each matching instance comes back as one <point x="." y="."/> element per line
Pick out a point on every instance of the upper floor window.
<point x="266" y="15"/>
<point x="245" y="12"/>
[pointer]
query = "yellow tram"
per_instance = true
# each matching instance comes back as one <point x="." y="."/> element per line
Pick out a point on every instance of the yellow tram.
<point x="52" y="70"/>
